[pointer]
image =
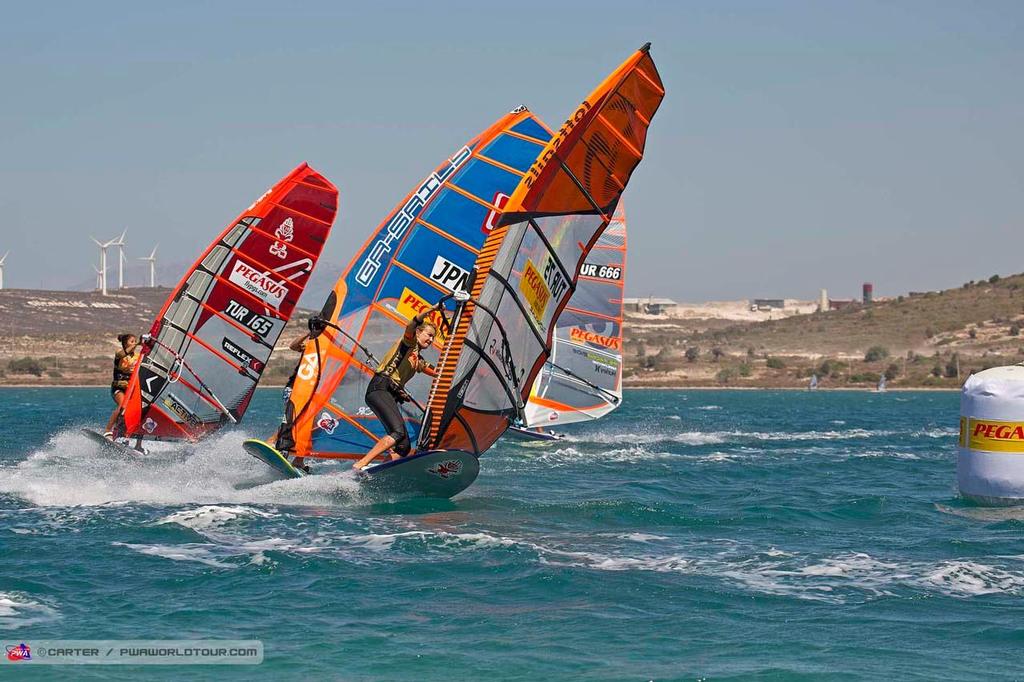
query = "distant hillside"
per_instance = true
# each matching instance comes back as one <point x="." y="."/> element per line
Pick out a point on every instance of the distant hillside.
<point x="914" y="338"/>
<point x="70" y="337"/>
<point x="932" y="339"/>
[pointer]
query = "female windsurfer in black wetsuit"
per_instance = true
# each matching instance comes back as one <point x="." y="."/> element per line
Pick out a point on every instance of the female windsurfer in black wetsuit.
<point x="124" y="362"/>
<point x="387" y="387"/>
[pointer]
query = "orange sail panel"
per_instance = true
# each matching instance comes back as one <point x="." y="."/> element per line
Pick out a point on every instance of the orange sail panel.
<point x="529" y="266"/>
<point x="214" y="335"/>
<point x="422" y="251"/>
<point x="583" y="378"/>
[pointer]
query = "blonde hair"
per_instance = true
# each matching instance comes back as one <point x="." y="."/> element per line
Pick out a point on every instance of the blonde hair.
<point x="427" y="323"/>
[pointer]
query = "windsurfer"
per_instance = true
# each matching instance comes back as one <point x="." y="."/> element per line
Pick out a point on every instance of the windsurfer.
<point x="285" y="444"/>
<point x="124" y="362"/>
<point x="387" y="387"/>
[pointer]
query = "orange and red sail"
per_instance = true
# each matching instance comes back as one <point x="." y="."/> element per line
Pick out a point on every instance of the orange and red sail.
<point x="528" y="267"/>
<point x="214" y="335"/>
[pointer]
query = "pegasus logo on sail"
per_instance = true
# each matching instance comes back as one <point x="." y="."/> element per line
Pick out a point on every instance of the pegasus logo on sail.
<point x="260" y="284"/>
<point x="400" y="222"/>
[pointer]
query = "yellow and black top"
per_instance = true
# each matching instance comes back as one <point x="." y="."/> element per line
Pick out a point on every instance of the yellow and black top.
<point x="403" y="361"/>
<point x="124" y="363"/>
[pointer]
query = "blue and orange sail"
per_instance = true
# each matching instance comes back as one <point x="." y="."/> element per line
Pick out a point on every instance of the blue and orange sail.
<point x="213" y="336"/>
<point x="425" y="249"/>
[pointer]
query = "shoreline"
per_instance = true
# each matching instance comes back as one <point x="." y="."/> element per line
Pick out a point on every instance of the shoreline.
<point x="846" y="389"/>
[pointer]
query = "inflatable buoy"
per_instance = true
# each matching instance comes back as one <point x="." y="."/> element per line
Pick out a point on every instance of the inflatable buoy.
<point x="990" y="461"/>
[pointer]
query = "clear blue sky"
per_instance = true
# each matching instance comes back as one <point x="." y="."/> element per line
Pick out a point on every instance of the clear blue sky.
<point x="801" y="144"/>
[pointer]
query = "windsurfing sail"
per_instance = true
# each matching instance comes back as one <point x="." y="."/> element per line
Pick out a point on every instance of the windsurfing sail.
<point x="583" y="378"/>
<point x="814" y="382"/>
<point x="213" y="337"/>
<point x="423" y="250"/>
<point x="529" y="265"/>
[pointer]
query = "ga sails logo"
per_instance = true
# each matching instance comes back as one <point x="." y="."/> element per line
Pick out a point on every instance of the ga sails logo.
<point x="260" y="284"/>
<point x="400" y="222"/>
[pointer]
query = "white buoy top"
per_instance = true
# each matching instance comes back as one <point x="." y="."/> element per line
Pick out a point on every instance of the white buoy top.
<point x="996" y="393"/>
<point x="990" y="465"/>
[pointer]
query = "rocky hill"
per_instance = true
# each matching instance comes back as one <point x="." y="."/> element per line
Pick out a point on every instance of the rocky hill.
<point x="921" y="339"/>
<point x="932" y="339"/>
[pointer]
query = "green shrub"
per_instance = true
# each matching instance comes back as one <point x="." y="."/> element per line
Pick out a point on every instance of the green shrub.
<point x="725" y="375"/>
<point x="744" y="370"/>
<point x="692" y="353"/>
<point x="26" y="366"/>
<point x="775" y="363"/>
<point x="876" y="353"/>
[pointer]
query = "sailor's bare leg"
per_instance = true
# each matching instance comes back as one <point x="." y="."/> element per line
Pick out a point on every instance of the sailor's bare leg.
<point x="385" y="443"/>
<point x="119" y="399"/>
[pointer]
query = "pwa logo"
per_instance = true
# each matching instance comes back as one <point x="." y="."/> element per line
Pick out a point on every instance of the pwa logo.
<point x="326" y="423"/>
<point x="583" y="336"/>
<point x="19" y="652"/>
<point x="445" y="469"/>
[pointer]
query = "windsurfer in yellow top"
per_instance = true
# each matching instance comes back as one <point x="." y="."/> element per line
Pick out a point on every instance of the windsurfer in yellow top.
<point x="387" y="387"/>
<point x="284" y="442"/>
<point x="124" y="363"/>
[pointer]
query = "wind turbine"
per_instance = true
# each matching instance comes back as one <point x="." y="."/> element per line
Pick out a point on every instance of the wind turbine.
<point x="120" y="259"/>
<point x="103" y="261"/>
<point x="2" y="270"/>
<point x="151" y="259"/>
<point x="99" y="278"/>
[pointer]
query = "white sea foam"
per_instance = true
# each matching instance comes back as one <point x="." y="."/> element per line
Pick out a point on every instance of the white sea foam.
<point x="936" y="433"/>
<point x="219" y="554"/>
<point x="969" y="578"/>
<point x="708" y="407"/>
<point x="70" y="471"/>
<point x="211" y="516"/>
<point x="18" y="609"/>
<point x="640" y="537"/>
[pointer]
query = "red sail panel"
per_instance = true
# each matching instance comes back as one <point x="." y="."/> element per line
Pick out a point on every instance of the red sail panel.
<point x="529" y="266"/>
<point x="214" y="335"/>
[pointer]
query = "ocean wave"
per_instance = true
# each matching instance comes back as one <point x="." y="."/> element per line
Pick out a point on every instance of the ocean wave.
<point x="70" y="471"/>
<point x="969" y="579"/>
<point x="211" y="516"/>
<point x="936" y="433"/>
<point x="18" y="609"/>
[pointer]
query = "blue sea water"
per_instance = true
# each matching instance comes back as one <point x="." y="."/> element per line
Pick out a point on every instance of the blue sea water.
<point x="719" y="534"/>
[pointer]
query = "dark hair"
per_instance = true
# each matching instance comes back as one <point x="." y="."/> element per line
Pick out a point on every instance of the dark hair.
<point x="124" y="337"/>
